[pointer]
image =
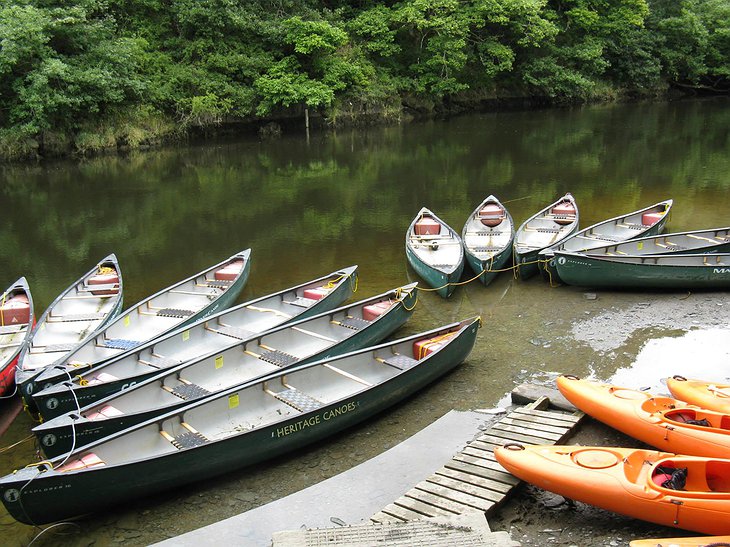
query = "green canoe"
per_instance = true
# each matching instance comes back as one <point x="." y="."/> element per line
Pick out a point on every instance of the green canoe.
<point x="546" y="228"/>
<point x="265" y="418"/>
<point x="488" y="234"/>
<point x="435" y="252"/>
<point x="675" y="271"/>
<point x="644" y="222"/>
<point x="331" y="333"/>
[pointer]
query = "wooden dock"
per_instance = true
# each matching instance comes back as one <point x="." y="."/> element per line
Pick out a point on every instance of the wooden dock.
<point x="473" y="481"/>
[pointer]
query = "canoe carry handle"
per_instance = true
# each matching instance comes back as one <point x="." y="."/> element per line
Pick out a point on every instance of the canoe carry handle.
<point x="679" y="378"/>
<point x="513" y="446"/>
<point x="570" y="376"/>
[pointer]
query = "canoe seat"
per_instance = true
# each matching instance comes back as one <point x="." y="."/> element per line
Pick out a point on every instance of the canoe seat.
<point x="278" y="358"/>
<point x="548" y="230"/>
<point x="401" y="362"/>
<point x="75" y="317"/>
<point x="12" y="329"/>
<point x="160" y="361"/>
<point x="354" y="323"/>
<point x="486" y="249"/>
<point x="297" y="399"/>
<point x="187" y="439"/>
<point x="302" y="302"/>
<point x="121" y="343"/>
<point x="233" y="332"/>
<point x="174" y="312"/>
<point x="491" y="233"/>
<point x="188" y="391"/>
<point x="216" y="283"/>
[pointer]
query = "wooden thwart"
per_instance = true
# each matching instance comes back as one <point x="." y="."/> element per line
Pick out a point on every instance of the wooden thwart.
<point x="473" y="480"/>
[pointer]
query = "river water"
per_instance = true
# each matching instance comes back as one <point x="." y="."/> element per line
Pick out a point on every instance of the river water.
<point x="307" y="207"/>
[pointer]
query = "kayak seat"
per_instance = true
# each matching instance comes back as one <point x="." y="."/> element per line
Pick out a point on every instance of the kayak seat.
<point x="298" y="400"/>
<point x="725" y="422"/>
<point x="174" y="312"/>
<point x="279" y="358"/>
<point x="673" y="478"/>
<point x="682" y="417"/>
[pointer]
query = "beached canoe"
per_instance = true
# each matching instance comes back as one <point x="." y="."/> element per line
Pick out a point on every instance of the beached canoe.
<point x="209" y="335"/>
<point x="332" y="333"/>
<point x="642" y="223"/>
<point x="239" y="427"/>
<point x="16" y="324"/>
<point x="703" y="541"/>
<point x="84" y="308"/>
<point x="183" y="303"/>
<point x="709" y="395"/>
<point x="434" y="250"/>
<point x="712" y="240"/>
<point x="675" y="271"/>
<point x="488" y="235"/>
<point x="662" y="422"/>
<point x="688" y="492"/>
<point x="545" y="228"/>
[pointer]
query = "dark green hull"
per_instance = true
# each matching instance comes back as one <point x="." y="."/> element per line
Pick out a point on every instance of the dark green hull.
<point x="40" y="495"/>
<point x="489" y="269"/>
<point x="57" y="436"/>
<point x="650" y="272"/>
<point x="444" y="282"/>
<point x="59" y="373"/>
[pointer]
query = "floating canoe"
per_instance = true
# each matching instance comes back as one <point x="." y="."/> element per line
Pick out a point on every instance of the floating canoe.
<point x="688" y="492"/>
<point x="544" y="229"/>
<point x="435" y="252"/>
<point x="16" y="324"/>
<point x="488" y="235"/>
<point x="78" y="313"/>
<point x="239" y="427"/>
<point x="187" y="301"/>
<point x="665" y="423"/>
<point x="208" y="335"/>
<point x="151" y="393"/>
<point x="644" y="222"/>
<point x="704" y="541"/>
<point x="676" y="271"/>
<point x="710" y="395"/>
<point x="713" y="240"/>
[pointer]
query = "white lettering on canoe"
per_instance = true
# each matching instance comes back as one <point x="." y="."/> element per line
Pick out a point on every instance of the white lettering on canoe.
<point x="721" y="271"/>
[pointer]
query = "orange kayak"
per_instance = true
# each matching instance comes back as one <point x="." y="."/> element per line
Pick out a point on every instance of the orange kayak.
<point x="688" y="492"/>
<point x="704" y="541"/>
<point x="712" y="396"/>
<point x="663" y="422"/>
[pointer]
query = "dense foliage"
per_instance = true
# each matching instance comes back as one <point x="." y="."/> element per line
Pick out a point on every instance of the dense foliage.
<point x="94" y="74"/>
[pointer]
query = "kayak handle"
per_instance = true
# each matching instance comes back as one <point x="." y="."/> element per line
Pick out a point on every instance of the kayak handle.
<point x="679" y="378"/>
<point x="570" y="377"/>
<point x="513" y="446"/>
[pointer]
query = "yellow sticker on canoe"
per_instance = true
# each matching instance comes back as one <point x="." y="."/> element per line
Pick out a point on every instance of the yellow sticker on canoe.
<point x="126" y="321"/>
<point x="233" y="401"/>
<point x="219" y="361"/>
<point x="186" y="336"/>
<point x="639" y="245"/>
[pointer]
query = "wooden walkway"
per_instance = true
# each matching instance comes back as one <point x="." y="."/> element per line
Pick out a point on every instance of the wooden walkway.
<point x="473" y="481"/>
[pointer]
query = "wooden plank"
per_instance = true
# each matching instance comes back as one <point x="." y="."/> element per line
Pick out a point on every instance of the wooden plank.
<point x="502" y="437"/>
<point x="574" y="418"/>
<point x="481" y="462"/>
<point x="452" y="507"/>
<point x="401" y="512"/>
<point x="381" y="517"/>
<point x="539" y="420"/>
<point x="479" y="454"/>
<point x="465" y="487"/>
<point x="419" y="506"/>
<point x="506" y="429"/>
<point x="487" y="446"/>
<point x="489" y="484"/>
<point x="481" y="472"/>
<point x="460" y="497"/>
<point x="531" y="424"/>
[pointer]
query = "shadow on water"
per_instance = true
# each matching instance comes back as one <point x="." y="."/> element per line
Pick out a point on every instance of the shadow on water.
<point x="346" y="198"/>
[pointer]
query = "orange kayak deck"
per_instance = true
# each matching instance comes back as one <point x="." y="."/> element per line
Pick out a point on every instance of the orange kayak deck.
<point x="688" y="492"/>
<point x="709" y="395"/>
<point x="704" y="541"/>
<point x="665" y="423"/>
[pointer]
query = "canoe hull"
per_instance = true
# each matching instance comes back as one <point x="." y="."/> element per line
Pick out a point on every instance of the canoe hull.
<point x="619" y="480"/>
<point x="53" y="495"/>
<point x="489" y="269"/>
<point x="488" y="241"/>
<point x="598" y="272"/>
<point x="14" y="336"/>
<point x="442" y="281"/>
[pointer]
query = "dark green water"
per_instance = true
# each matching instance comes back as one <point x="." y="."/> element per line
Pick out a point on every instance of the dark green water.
<point x="306" y="208"/>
